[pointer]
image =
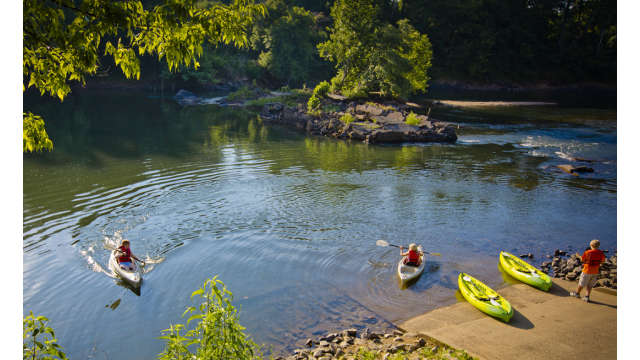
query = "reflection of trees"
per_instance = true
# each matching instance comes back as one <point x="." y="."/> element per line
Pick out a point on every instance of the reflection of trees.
<point x="88" y="125"/>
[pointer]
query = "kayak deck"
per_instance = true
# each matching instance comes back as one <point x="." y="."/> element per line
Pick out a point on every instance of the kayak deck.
<point x="484" y="298"/>
<point x="524" y="271"/>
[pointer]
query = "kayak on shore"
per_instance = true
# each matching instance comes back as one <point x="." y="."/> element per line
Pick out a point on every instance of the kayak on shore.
<point x="484" y="298"/>
<point x="524" y="271"/>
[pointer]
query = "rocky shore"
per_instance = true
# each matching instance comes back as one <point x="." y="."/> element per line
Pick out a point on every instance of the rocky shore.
<point x="362" y="121"/>
<point x="351" y="344"/>
<point x="569" y="267"/>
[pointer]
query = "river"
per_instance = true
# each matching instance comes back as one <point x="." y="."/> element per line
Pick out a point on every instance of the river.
<point x="290" y="222"/>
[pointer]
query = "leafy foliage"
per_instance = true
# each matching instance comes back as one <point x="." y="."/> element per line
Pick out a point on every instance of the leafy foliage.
<point x="38" y="340"/>
<point x="34" y="136"/>
<point x="287" y="41"/>
<point x="64" y="39"/>
<point x="412" y="119"/>
<point x="217" y="333"/>
<point x="321" y="90"/>
<point x="347" y="118"/>
<point x="313" y="103"/>
<point x="373" y="56"/>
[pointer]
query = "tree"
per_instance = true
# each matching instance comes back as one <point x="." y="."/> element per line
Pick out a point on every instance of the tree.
<point x="373" y="56"/>
<point x="287" y="41"/>
<point x="63" y="41"/>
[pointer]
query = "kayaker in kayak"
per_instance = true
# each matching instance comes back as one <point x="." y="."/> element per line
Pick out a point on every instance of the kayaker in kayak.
<point x="592" y="258"/>
<point x="412" y="256"/>
<point x="125" y="259"/>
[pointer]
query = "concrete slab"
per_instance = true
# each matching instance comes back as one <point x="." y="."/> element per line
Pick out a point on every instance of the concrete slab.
<point x="545" y="325"/>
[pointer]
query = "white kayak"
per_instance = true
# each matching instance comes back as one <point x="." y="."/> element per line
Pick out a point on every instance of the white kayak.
<point x="408" y="272"/>
<point x="131" y="277"/>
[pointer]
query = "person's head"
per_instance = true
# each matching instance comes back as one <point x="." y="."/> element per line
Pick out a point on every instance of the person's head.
<point x="125" y="243"/>
<point x="413" y="247"/>
<point x="595" y="243"/>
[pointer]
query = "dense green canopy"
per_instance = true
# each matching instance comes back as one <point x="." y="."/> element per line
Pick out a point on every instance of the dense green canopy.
<point x="374" y="56"/>
<point x="64" y="41"/>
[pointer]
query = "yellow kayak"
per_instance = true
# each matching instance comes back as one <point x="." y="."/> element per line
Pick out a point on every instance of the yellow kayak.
<point x="484" y="298"/>
<point x="524" y="271"/>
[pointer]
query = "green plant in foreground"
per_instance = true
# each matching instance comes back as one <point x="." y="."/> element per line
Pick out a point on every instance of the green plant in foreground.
<point x="217" y="333"/>
<point x="412" y="119"/>
<point x="347" y="119"/>
<point x="39" y="340"/>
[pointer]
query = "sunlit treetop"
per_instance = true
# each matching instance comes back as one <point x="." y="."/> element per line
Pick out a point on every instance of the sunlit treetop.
<point x="65" y="40"/>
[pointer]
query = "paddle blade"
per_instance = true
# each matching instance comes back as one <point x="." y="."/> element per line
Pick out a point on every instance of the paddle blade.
<point x="435" y="254"/>
<point x="382" y="243"/>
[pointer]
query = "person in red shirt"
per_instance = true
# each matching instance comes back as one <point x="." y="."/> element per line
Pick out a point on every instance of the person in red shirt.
<point x="591" y="260"/>
<point x="412" y="256"/>
<point x="125" y="255"/>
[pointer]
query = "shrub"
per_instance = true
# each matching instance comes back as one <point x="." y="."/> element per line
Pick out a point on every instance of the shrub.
<point x="217" y="334"/>
<point x="322" y="89"/>
<point x="39" y="340"/>
<point x="412" y="119"/>
<point x="241" y="94"/>
<point x="313" y="103"/>
<point x="346" y="118"/>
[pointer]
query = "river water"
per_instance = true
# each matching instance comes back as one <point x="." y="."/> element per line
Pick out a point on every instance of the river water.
<point x="290" y="222"/>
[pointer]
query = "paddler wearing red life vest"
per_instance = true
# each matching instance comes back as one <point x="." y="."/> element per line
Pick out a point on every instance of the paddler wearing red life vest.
<point x="125" y="255"/>
<point x="412" y="256"/>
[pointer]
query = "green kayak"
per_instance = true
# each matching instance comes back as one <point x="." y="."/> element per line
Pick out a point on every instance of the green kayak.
<point x="524" y="271"/>
<point x="484" y="298"/>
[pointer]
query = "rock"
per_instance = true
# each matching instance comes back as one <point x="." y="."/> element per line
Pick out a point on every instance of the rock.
<point x="546" y="264"/>
<point x="398" y="339"/>
<point x="604" y="283"/>
<point x="309" y="343"/>
<point x="571" y="276"/>
<point x="339" y="353"/>
<point x="421" y="342"/>
<point x="324" y="343"/>
<point x="396" y="348"/>
<point x="548" y="256"/>
<point x="397" y="332"/>
<point x="386" y="356"/>
<point x="434" y="349"/>
<point x="386" y="336"/>
<point x="367" y="109"/>
<point x="529" y="255"/>
<point x="350" y="332"/>
<point x="318" y="353"/>
<point x="559" y="252"/>
<point x="365" y="333"/>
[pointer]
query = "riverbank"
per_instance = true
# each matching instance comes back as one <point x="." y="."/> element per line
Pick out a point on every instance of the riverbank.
<point x="352" y="344"/>
<point x="545" y="325"/>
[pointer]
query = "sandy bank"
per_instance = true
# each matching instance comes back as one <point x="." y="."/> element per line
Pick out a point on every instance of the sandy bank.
<point x="472" y="104"/>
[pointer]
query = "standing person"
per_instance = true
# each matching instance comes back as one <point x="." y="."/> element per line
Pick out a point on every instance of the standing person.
<point x="125" y="259"/>
<point x="592" y="258"/>
<point x="412" y="256"/>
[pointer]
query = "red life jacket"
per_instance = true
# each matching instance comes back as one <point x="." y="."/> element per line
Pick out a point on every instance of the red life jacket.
<point x="126" y="257"/>
<point x="413" y="256"/>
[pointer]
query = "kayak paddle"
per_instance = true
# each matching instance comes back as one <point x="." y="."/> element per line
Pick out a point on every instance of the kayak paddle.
<point x="384" y="243"/>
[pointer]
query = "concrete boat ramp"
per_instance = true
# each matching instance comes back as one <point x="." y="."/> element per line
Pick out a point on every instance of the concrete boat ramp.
<point x="545" y="325"/>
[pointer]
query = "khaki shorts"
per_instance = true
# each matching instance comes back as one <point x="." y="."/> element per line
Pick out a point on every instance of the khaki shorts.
<point x="588" y="280"/>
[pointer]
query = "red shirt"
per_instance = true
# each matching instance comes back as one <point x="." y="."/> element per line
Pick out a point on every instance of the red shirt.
<point x="127" y="254"/>
<point x="592" y="260"/>
<point x="413" y="256"/>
